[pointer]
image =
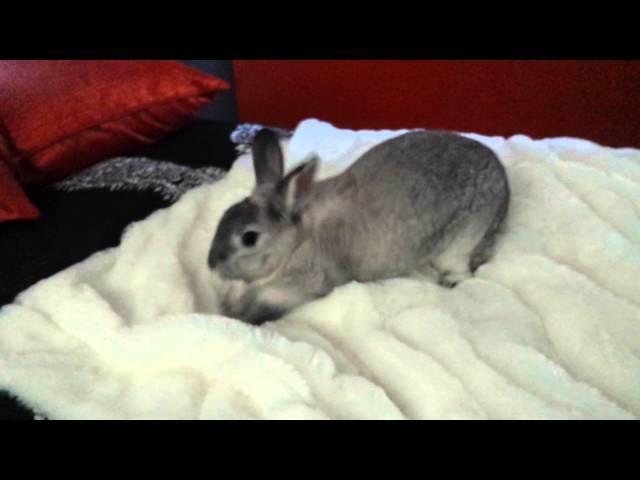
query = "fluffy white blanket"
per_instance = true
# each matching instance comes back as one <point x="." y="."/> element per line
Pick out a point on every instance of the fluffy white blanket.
<point x="549" y="329"/>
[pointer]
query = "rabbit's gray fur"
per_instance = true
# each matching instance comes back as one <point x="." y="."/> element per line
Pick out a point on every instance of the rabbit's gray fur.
<point x="426" y="202"/>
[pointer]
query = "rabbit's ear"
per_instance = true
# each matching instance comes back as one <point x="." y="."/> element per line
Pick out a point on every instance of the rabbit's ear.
<point x="296" y="188"/>
<point x="267" y="157"/>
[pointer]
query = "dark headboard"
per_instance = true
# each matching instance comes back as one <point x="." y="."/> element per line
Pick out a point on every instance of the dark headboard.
<point x="223" y="108"/>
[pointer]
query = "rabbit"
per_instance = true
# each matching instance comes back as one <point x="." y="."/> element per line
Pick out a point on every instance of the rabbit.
<point x="425" y="203"/>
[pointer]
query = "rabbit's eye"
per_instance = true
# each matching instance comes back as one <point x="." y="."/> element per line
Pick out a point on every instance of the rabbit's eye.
<point x="249" y="239"/>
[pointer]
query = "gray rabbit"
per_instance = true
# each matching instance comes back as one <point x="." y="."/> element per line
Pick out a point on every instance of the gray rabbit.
<point x="429" y="203"/>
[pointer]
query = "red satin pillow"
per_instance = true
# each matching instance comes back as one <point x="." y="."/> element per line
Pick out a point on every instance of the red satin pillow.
<point x="60" y="116"/>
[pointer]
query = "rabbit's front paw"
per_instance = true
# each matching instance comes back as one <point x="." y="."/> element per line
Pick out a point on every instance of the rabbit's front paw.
<point x="264" y="313"/>
<point x="452" y="279"/>
<point x="236" y="300"/>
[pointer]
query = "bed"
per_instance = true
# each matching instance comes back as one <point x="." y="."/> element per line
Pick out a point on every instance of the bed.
<point x="89" y="212"/>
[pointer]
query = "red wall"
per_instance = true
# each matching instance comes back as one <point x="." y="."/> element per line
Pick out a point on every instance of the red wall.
<point x="597" y="100"/>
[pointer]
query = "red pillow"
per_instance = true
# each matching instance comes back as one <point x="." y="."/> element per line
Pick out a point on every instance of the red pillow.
<point x="60" y="116"/>
<point x="14" y="204"/>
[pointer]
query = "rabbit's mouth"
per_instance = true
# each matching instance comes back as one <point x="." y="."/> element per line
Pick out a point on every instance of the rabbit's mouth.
<point x="227" y="273"/>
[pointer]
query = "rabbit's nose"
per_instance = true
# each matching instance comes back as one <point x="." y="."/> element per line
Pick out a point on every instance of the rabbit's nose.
<point x="216" y="258"/>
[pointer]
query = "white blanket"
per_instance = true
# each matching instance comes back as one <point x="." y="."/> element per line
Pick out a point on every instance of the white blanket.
<point x="549" y="329"/>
